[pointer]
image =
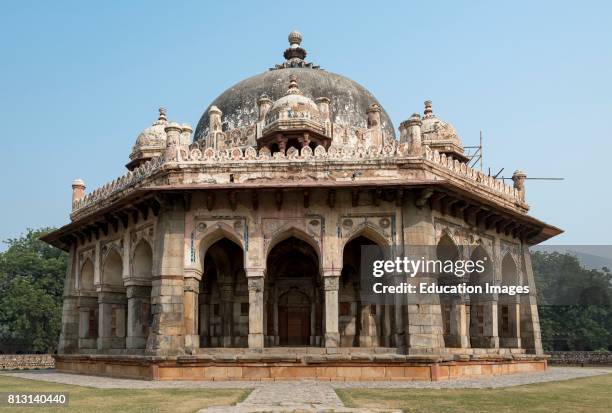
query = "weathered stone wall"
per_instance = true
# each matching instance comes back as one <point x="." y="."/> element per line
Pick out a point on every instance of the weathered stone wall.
<point x="26" y="361"/>
<point x="581" y="357"/>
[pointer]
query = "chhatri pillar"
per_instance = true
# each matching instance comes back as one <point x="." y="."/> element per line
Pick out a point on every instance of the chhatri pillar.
<point x="255" y="281"/>
<point x="331" y="284"/>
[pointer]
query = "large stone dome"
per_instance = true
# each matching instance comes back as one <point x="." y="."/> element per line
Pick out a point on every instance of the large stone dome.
<point x="349" y="100"/>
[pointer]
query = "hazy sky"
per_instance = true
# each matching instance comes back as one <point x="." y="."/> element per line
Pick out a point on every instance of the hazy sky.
<point x="79" y="81"/>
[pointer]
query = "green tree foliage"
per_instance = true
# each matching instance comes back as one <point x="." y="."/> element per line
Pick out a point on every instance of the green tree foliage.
<point x="31" y="286"/>
<point x="575" y="304"/>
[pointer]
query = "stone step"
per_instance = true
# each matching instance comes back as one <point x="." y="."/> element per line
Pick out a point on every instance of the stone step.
<point x="292" y="408"/>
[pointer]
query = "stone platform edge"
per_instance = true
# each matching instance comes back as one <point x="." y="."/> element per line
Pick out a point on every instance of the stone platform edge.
<point x="271" y="368"/>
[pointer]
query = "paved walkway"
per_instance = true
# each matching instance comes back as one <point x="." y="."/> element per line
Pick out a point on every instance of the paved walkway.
<point x="307" y="395"/>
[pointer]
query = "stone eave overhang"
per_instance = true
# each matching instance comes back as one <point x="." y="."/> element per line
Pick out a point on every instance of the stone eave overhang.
<point x="446" y="181"/>
<point x="95" y="221"/>
<point x="540" y="231"/>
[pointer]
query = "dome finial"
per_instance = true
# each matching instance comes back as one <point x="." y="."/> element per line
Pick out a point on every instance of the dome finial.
<point x="295" y="39"/>
<point x="295" y="52"/>
<point x="162" y="114"/>
<point x="294" y="89"/>
<point x="428" y="112"/>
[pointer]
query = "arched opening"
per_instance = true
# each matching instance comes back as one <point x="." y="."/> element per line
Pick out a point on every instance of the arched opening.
<point x="274" y="148"/>
<point x="142" y="262"/>
<point x="451" y="305"/>
<point x="361" y="324"/>
<point x="223" y="298"/>
<point x="293" y="315"/>
<point x="87" y="276"/>
<point x="112" y="304"/>
<point x="112" y="271"/>
<point x="482" y="310"/>
<point x="139" y="296"/>
<point x="88" y="308"/>
<point x="294" y="143"/>
<point x="508" y="311"/>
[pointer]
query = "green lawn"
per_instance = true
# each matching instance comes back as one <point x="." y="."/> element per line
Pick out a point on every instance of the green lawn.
<point x="90" y="400"/>
<point x="592" y="395"/>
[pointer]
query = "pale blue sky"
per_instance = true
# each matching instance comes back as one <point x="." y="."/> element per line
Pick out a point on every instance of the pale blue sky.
<point x="79" y="80"/>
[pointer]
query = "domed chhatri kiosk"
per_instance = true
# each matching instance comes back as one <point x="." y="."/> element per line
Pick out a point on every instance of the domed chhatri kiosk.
<point x="235" y="254"/>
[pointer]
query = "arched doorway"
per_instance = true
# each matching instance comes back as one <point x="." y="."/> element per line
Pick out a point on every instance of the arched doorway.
<point x="139" y="296"/>
<point x="361" y="324"/>
<point x="112" y="304"/>
<point x="293" y="303"/>
<point x="452" y="306"/>
<point x="509" y="307"/>
<point x="88" y="308"/>
<point x="482" y="308"/>
<point x="223" y="298"/>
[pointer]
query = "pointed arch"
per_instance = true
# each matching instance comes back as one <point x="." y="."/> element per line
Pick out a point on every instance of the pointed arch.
<point x="480" y="278"/>
<point x="86" y="282"/>
<point x="142" y="260"/>
<point x="509" y="270"/>
<point x="214" y="234"/>
<point x="112" y="270"/>
<point x="289" y="231"/>
<point x="369" y="231"/>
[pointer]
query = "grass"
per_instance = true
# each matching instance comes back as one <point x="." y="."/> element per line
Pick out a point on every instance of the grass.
<point x="592" y="395"/>
<point x="90" y="400"/>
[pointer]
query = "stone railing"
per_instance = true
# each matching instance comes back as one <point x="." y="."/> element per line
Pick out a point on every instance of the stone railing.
<point x="211" y="156"/>
<point x="26" y="361"/>
<point x="131" y="178"/>
<point x="601" y="358"/>
<point x="463" y="170"/>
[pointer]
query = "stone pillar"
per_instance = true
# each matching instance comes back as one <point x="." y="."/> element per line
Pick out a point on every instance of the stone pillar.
<point x="215" y="129"/>
<point x="173" y="142"/>
<point x="387" y="327"/>
<point x="191" y="292"/>
<point x="374" y="125"/>
<point x="68" y="342"/>
<point x="111" y="320"/>
<point x="166" y="335"/>
<point x="511" y="338"/>
<point x="255" y="281"/>
<point x="459" y="336"/>
<point x="138" y="315"/>
<point x="531" y="339"/>
<point x="87" y="306"/>
<point x="410" y="133"/>
<point x="226" y="292"/>
<point x="313" y="323"/>
<point x="423" y="329"/>
<point x="78" y="190"/>
<point x="264" y="103"/>
<point x="276" y="337"/>
<point x="331" y="283"/>
<point x="518" y="177"/>
<point x="204" y="319"/>
<point x="364" y="338"/>
<point x="492" y="323"/>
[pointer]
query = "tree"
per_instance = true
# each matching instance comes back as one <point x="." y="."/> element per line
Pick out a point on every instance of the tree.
<point x="31" y="286"/>
<point x="575" y="304"/>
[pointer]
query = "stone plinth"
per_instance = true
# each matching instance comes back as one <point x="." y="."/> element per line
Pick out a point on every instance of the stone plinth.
<point x="272" y="367"/>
